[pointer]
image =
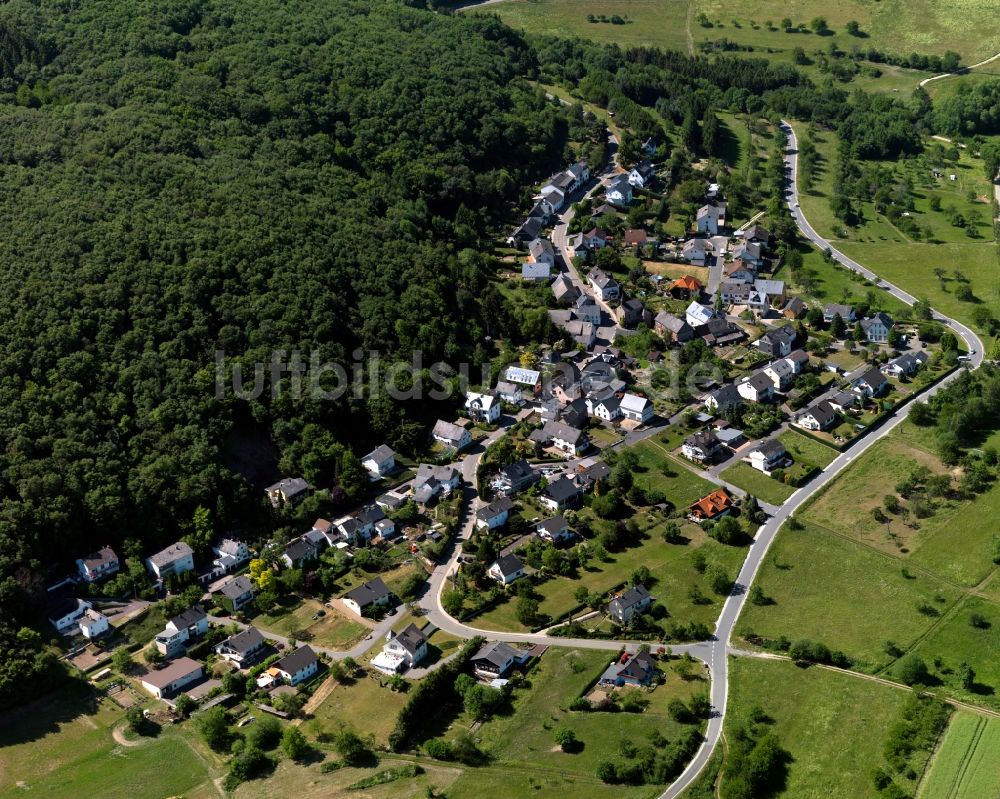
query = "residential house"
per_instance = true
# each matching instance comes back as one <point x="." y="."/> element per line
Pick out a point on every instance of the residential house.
<point x="740" y="271"/>
<point x="67" y="614"/>
<point x="843" y="401"/>
<point x="757" y="234"/>
<point x="777" y="342"/>
<point x="724" y="398"/>
<point x="401" y="651"/>
<point x="506" y="569"/>
<point x="701" y="447"/>
<point x="712" y="192"/>
<point x="433" y="481"/>
<point x="288" y="491"/>
<point x="685" y="288"/>
<point x="635" y="237"/>
<point x="604" y="405"/>
<point x="618" y="191"/>
<point x="782" y="373"/>
<point x="230" y="555"/>
<point x="698" y="315"/>
<point x="768" y="456"/>
<point x="389" y="501"/>
<point x="630" y="313"/>
<point x="799" y="359"/>
<point x="380" y="462"/>
<point x="586" y="309"/>
<point x="98" y="565"/>
<point x="720" y="332"/>
<point x="367" y="597"/>
<point x="672" y="329"/>
<point x="509" y="392"/>
<point x="710" y="219"/>
<point x="695" y="251"/>
<point x="846" y="312"/>
<point x="636" y="409"/>
<point x="629" y="603"/>
<point x="820" y="416"/>
<point x="636" y="670"/>
<point x="588" y="476"/>
<point x="298" y="666"/>
<point x="731" y="437"/>
<point x="565" y="290"/>
<point x="750" y="253"/>
<point x="580" y="173"/>
<point x="242" y="648"/>
<point x="561" y="494"/>
<point x="93" y="624"/>
<point x="495" y="660"/>
<point x="576" y="247"/>
<point x="582" y="333"/>
<point x="451" y="435"/>
<point x="482" y="407"/>
<point x="756" y="388"/>
<point x="553" y="529"/>
<point x="541" y="260"/>
<point x="605" y="285"/>
<point x="495" y="514"/>
<point x="298" y="552"/>
<point x="794" y="308"/>
<point x="386" y="529"/>
<point x="555" y="189"/>
<point x="570" y="440"/>
<point x="596" y="238"/>
<point x="877" y="328"/>
<point x="165" y="682"/>
<point x="906" y="364"/>
<point x="530" y="228"/>
<point x="531" y="379"/>
<point x="708" y="508"/>
<point x="515" y="478"/>
<point x="774" y="290"/>
<point x="192" y="623"/>
<point x="175" y="559"/>
<point x="642" y="174"/>
<point x="238" y="592"/>
<point x="871" y="384"/>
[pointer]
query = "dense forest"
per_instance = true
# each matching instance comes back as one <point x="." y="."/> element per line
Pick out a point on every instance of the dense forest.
<point x="185" y="176"/>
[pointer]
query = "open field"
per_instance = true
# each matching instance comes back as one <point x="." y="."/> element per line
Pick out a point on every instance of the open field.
<point x="806" y="450"/>
<point x="526" y="760"/>
<point x="660" y="470"/>
<point x="363" y="705"/>
<point x="62" y="746"/>
<point x="332" y="630"/>
<point x="830" y="589"/>
<point x="834" y="725"/>
<point x="964" y="766"/>
<point x="757" y="483"/>
<point x="673" y="579"/>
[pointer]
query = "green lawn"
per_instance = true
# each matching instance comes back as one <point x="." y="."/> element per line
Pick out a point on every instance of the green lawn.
<point x="807" y="450"/>
<point x="834" y="725"/>
<point x="757" y="483"/>
<point x="526" y="761"/>
<point x="62" y="746"/>
<point x="956" y="640"/>
<point x="848" y="596"/>
<point x="332" y="630"/>
<point x="673" y="579"/>
<point x="964" y="767"/>
<point x="364" y="706"/>
<point x="660" y="470"/>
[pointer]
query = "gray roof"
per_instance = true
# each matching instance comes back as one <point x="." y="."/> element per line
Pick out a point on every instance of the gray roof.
<point x="368" y="593"/>
<point x="172" y="553"/>
<point x="243" y="642"/>
<point x="237" y="587"/>
<point x="770" y="448"/>
<point x="496" y="653"/>
<point x="300" y="549"/>
<point x="872" y="377"/>
<point x="759" y="381"/>
<point x="291" y="486"/>
<point x="448" y="430"/>
<point x="296" y="661"/>
<point x="552" y="526"/>
<point x="411" y="639"/>
<point x="100" y="558"/>
<point x="189" y="617"/>
<point x="509" y="564"/>
<point x="630" y="598"/>
<point x="502" y="505"/>
<point x="562" y="431"/>
<point x="561" y="489"/>
<point x="822" y="412"/>
<point x="370" y="514"/>
<point x="672" y="323"/>
<point x="831" y="309"/>
<point x="601" y="278"/>
<point x="381" y="453"/>
<point x="727" y="395"/>
<point x="703" y="439"/>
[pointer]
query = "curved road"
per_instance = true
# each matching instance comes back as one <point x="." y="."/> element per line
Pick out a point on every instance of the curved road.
<point x="714" y="651"/>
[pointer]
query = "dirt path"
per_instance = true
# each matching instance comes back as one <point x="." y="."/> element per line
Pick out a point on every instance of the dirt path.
<point x="318" y="698"/>
<point x="687" y="27"/>
<point x="118" y="733"/>
<point x="962" y="71"/>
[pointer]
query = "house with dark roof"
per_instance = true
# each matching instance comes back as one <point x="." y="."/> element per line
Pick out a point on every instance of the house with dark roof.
<point x="588" y="476"/>
<point x="238" y="592"/>
<point x="820" y="416"/>
<point x="298" y="666"/>
<point x="777" y="342"/>
<point x="561" y="494"/>
<point x="724" y="398"/>
<point x="182" y="628"/>
<point x="98" y="565"/>
<point x="630" y="313"/>
<point x="494" y="515"/>
<point x="514" y="478"/>
<point x="565" y="290"/>
<point x="433" y="481"/>
<point x="758" y="387"/>
<point x="401" y="651"/>
<point x="870" y="384"/>
<point x="877" y="327"/>
<point x="242" y="648"/>
<point x="768" y="456"/>
<point x="603" y="284"/>
<point x="367" y="597"/>
<point x="701" y="447"/>
<point x="380" y="462"/>
<point x="288" y="491"/>
<point x="672" y="328"/>
<point x="554" y="529"/>
<point x="175" y="559"/>
<point x="570" y="440"/>
<point x="845" y="312"/>
<point x="298" y="552"/>
<point x="66" y="614"/>
<point x="496" y="659"/>
<point x="642" y="174"/>
<point x="451" y="435"/>
<point x="166" y="682"/>
<point x="506" y="569"/>
<point x="634" y="670"/>
<point x="906" y="364"/>
<point x="794" y="308"/>
<point x="629" y="603"/>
